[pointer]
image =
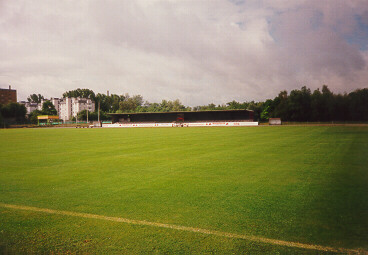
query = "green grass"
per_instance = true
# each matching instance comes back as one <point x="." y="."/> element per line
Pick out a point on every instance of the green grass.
<point x="301" y="184"/>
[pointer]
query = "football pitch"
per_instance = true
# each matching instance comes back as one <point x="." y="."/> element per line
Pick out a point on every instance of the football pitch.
<point x="248" y="190"/>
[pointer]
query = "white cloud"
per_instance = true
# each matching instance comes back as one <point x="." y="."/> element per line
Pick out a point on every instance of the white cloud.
<point x="197" y="51"/>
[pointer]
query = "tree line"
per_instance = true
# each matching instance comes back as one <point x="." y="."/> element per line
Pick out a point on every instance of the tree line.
<point x="305" y="105"/>
<point x="319" y="105"/>
<point x="298" y="105"/>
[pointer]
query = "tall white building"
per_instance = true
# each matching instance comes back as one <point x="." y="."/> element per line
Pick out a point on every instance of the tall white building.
<point x="70" y="106"/>
<point x="55" y="102"/>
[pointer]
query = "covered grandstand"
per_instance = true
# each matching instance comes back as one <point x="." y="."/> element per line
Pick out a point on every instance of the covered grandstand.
<point x="179" y="117"/>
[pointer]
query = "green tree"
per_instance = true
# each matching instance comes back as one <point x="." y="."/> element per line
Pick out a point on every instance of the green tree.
<point x="257" y="108"/>
<point x="327" y="104"/>
<point x="316" y="106"/>
<point x="341" y="107"/>
<point x="130" y="104"/>
<point x="14" y="111"/>
<point x="48" y="108"/>
<point x="109" y="103"/>
<point x="265" y="115"/>
<point x="115" y="100"/>
<point x="358" y="106"/>
<point x="33" y="116"/>
<point x="92" y="116"/>
<point x="34" y="98"/>
<point x="101" y="100"/>
<point x="209" y="107"/>
<point x="299" y="104"/>
<point x="234" y="105"/>
<point x="84" y="93"/>
<point x="281" y="106"/>
<point x="1" y="118"/>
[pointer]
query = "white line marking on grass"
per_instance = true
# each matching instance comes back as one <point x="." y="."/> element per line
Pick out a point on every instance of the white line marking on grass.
<point x="189" y="229"/>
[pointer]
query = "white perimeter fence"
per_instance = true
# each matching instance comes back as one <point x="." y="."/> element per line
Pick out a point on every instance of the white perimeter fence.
<point x="189" y="124"/>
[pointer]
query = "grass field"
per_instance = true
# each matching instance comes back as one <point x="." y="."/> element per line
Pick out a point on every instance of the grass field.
<point x="298" y="184"/>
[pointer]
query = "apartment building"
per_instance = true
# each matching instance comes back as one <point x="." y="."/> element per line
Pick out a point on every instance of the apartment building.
<point x="69" y="107"/>
<point x="8" y="96"/>
<point x="66" y="108"/>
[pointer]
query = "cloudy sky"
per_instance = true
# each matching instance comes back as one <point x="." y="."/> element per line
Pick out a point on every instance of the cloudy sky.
<point x="199" y="51"/>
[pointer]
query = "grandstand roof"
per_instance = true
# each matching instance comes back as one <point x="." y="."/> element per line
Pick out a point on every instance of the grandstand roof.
<point x="181" y="111"/>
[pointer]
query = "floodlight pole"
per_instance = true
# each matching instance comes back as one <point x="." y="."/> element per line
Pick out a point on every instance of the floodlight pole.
<point x="98" y="111"/>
